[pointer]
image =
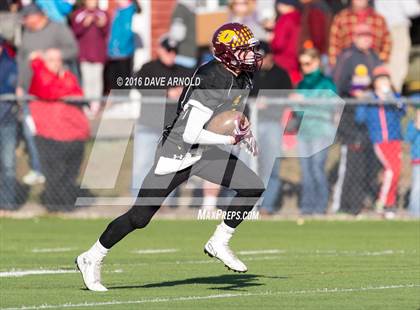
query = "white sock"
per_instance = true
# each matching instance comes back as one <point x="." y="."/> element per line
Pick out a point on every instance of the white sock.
<point x="97" y="251"/>
<point x="209" y="202"/>
<point x="223" y="232"/>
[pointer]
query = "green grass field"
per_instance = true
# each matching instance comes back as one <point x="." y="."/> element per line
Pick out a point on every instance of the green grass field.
<point x="318" y="265"/>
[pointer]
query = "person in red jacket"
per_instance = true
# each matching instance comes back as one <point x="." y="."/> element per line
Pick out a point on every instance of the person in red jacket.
<point x="61" y="128"/>
<point x="286" y="38"/>
<point x="316" y="22"/>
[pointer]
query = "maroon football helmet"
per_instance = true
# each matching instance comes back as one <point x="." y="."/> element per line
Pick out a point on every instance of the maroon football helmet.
<point x="233" y="37"/>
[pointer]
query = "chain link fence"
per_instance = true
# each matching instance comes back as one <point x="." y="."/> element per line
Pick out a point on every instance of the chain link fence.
<point x="348" y="169"/>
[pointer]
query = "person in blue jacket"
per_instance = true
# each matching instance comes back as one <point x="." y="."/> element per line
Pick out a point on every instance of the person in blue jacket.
<point x="121" y="44"/>
<point x="56" y="10"/>
<point x="8" y="130"/>
<point x="384" y="126"/>
<point x="413" y="138"/>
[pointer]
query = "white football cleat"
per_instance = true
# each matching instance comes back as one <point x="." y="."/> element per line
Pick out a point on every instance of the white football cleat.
<point x="91" y="272"/>
<point x="218" y="247"/>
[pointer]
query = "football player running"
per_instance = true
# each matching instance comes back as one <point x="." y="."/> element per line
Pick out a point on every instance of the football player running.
<point x="187" y="148"/>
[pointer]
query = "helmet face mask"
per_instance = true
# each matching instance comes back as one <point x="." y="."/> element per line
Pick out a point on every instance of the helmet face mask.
<point x="232" y="43"/>
<point x="248" y="63"/>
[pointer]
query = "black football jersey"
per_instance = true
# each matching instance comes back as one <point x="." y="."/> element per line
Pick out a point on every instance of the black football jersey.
<point x="218" y="90"/>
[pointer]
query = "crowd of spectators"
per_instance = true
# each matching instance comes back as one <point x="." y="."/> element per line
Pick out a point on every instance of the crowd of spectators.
<point x="357" y="48"/>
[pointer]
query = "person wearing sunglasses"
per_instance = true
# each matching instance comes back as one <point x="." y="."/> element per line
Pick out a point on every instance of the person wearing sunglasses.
<point x="313" y="131"/>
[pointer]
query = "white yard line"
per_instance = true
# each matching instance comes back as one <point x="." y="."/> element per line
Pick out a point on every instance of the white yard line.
<point x="210" y="261"/>
<point x="218" y="296"/>
<point x="22" y="273"/>
<point x="155" y="251"/>
<point x="42" y="271"/>
<point x="358" y="253"/>
<point x="253" y="252"/>
<point x="330" y="252"/>
<point x="261" y="258"/>
<point x="31" y="272"/>
<point x="52" y="250"/>
<point x="46" y="271"/>
<point x="257" y="252"/>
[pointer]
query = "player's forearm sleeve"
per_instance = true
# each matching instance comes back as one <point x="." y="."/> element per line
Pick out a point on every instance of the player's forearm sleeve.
<point x="195" y="133"/>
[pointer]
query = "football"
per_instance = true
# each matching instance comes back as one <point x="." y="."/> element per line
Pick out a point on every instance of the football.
<point x="224" y="123"/>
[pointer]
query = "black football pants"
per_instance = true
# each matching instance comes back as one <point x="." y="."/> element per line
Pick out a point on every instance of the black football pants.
<point x="216" y="166"/>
